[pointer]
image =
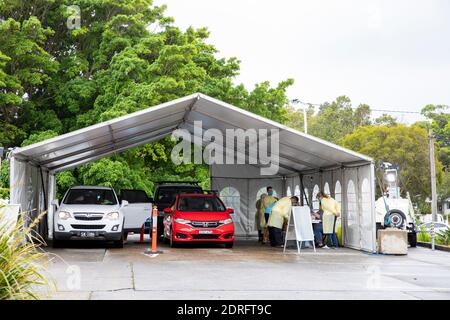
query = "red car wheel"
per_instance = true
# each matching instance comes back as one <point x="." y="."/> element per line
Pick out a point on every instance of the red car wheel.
<point x="173" y="243"/>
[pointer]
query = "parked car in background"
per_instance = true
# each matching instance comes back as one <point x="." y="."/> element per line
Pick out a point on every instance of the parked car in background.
<point x="438" y="226"/>
<point x="138" y="211"/>
<point x="198" y="218"/>
<point x="429" y="217"/>
<point x="165" y="194"/>
<point x="94" y="213"/>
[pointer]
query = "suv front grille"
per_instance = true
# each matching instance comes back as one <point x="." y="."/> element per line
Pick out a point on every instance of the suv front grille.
<point x="88" y="226"/>
<point x="205" y="224"/>
<point x="87" y="216"/>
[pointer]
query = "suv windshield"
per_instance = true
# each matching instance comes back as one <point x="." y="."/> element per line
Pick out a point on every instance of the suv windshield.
<point x="200" y="204"/>
<point x="90" y="196"/>
<point x="166" y="195"/>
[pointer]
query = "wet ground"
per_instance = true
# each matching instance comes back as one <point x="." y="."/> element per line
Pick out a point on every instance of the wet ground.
<point x="248" y="271"/>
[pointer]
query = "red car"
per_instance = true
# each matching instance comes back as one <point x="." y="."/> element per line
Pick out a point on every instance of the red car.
<point x="198" y="218"/>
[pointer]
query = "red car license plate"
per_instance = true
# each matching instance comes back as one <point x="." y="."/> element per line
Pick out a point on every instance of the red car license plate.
<point x="205" y="232"/>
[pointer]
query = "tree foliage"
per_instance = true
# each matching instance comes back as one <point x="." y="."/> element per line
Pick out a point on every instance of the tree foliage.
<point x="335" y="120"/>
<point x="128" y="55"/>
<point x="125" y="56"/>
<point x="440" y="124"/>
<point x="406" y="146"/>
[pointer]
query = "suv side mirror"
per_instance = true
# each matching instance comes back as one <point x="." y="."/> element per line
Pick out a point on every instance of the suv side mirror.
<point x="55" y="202"/>
<point x="125" y="203"/>
<point x="230" y="210"/>
<point x="168" y="210"/>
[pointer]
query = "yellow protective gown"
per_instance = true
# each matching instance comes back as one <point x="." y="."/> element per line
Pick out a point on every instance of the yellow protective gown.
<point x="331" y="209"/>
<point x="280" y="213"/>
<point x="265" y="203"/>
<point x="259" y="215"/>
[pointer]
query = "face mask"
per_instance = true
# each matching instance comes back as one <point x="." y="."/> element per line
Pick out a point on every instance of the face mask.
<point x="270" y="193"/>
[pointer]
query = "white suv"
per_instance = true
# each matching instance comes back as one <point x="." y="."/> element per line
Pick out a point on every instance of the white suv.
<point x="89" y="213"/>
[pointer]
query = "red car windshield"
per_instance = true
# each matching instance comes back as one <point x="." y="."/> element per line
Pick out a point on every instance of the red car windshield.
<point x="200" y="204"/>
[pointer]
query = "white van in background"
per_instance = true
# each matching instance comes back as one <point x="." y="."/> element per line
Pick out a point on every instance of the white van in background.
<point x="138" y="210"/>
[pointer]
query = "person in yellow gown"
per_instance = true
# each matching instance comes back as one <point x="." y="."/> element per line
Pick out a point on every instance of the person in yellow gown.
<point x="259" y="217"/>
<point x="278" y="219"/>
<point x="267" y="204"/>
<point x="331" y="211"/>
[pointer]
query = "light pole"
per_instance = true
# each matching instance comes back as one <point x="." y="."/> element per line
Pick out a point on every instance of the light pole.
<point x="433" y="188"/>
<point x="305" y="117"/>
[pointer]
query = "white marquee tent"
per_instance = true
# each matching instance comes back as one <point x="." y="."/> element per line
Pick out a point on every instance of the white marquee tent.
<point x="305" y="162"/>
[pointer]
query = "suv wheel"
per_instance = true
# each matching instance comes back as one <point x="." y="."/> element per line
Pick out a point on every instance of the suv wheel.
<point x="56" y="243"/>
<point x="119" y="243"/>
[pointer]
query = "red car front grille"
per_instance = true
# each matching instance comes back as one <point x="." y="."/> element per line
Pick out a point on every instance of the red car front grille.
<point x="205" y="224"/>
<point x="205" y="236"/>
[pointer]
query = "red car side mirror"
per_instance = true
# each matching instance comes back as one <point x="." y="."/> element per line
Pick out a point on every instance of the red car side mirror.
<point x="230" y="210"/>
<point x="167" y="210"/>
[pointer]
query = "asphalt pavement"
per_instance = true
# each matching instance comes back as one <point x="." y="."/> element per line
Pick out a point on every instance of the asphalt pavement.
<point x="96" y="270"/>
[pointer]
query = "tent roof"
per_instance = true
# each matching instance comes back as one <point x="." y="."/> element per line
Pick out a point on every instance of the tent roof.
<point x="297" y="151"/>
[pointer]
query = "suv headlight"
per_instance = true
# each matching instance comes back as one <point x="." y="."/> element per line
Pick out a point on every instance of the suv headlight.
<point x="182" y="221"/>
<point x="63" y="215"/>
<point x="112" y="216"/>
<point x="226" y="221"/>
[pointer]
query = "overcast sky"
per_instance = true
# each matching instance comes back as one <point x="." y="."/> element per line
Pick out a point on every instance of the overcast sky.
<point x="388" y="54"/>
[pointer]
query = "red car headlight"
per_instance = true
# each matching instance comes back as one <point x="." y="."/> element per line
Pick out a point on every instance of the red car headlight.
<point x="226" y="221"/>
<point x="182" y="221"/>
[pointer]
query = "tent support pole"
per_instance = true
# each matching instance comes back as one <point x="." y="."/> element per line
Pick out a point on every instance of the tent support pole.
<point x="44" y="222"/>
<point x="43" y="188"/>
<point x="302" y="187"/>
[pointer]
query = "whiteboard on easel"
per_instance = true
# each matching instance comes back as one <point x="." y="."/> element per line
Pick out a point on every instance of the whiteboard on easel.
<point x="303" y="223"/>
<point x="300" y="227"/>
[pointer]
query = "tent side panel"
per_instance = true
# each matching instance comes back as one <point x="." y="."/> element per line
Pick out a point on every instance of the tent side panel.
<point x="234" y="193"/>
<point x="359" y="197"/>
<point x="367" y="213"/>
<point x="239" y="187"/>
<point x="19" y="184"/>
<point x="25" y="185"/>
<point x="312" y="184"/>
<point x="352" y="216"/>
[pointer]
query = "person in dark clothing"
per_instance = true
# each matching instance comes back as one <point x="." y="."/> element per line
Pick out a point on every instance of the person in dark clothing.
<point x="318" y="228"/>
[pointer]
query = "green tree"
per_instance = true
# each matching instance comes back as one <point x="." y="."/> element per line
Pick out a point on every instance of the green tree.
<point x="25" y="70"/>
<point x="406" y="146"/>
<point x="338" y="118"/>
<point x="125" y="56"/>
<point x="440" y="124"/>
<point x="444" y="187"/>
<point x="386" y="120"/>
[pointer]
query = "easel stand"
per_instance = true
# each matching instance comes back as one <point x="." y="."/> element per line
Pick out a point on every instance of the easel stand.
<point x="299" y="228"/>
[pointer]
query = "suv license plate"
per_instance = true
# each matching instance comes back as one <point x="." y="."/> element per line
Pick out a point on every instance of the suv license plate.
<point x="85" y="234"/>
<point x="205" y="232"/>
